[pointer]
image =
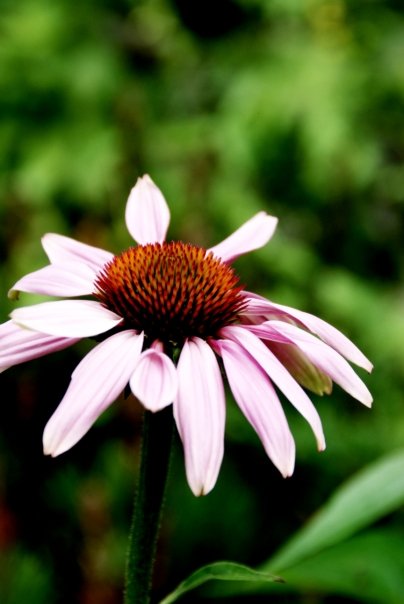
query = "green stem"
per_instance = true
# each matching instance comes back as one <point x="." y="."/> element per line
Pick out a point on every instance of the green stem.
<point x="155" y="459"/>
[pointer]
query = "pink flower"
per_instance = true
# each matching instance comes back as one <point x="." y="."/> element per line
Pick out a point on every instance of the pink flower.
<point x="159" y="301"/>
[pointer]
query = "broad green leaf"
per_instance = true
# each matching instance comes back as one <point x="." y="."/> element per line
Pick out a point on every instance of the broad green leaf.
<point x="220" y="571"/>
<point x="367" y="496"/>
<point x="368" y="567"/>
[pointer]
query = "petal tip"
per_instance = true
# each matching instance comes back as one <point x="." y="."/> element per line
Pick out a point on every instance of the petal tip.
<point x="147" y="214"/>
<point x="50" y="446"/>
<point x="48" y="450"/>
<point x="201" y="490"/>
<point x="13" y="294"/>
<point x="368" y="402"/>
<point x="49" y="453"/>
<point x="287" y="472"/>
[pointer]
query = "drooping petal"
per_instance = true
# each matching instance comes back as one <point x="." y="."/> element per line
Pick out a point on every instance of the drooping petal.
<point x="279" y="375"/>
<point x="258" y="401"/>
<point x="252" y="235"/>
<point x="199" y="411"/>
<point x="306" y="373"/>
<point x="332" y="336"/>
<point x="296" y="362"/>
<point x="65" y="280"/>
<point x="327" y="359"/>
<point x="18" y="344"/>
<point x="97" y="381"/>
<point x="67" y="318"/>
<point x="265" y="331"/>
<point x="147" y="215"/>
<point x="154" y="381"/>
<point x="61" y="249"/>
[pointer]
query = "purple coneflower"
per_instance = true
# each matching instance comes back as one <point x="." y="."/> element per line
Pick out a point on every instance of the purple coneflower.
<point x="171" y="314"/>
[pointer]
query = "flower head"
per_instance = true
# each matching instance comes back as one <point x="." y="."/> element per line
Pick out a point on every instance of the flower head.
<point x="160" y="302"/>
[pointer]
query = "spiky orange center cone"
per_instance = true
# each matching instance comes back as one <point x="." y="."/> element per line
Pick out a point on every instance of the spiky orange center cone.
<point x="170" y="291"/>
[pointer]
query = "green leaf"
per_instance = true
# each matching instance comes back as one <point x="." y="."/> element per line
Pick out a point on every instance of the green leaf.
<point x="366" y="497"/>
<point x="369" y="566"/>
<point x="220" y="571"/>
<point x="322" y="558"/>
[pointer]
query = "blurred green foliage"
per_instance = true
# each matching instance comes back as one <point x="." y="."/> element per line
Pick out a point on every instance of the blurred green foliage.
<point x="233" y="106"/>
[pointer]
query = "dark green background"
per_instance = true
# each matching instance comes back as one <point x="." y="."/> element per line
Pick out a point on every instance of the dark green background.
<point x="233" y="106"/>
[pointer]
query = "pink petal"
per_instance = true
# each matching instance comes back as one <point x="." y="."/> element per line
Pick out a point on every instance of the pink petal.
<point x="69" y="279"/>
<point x="154" y="381"/>
<point x="326" y="359"/>
<point x="61" y="249"/>
<point x="96" y="383"/>
<point x="291" y="357"/>
<point x="304" y="371"/>
<point x="258" y="401"/>
<point x="328" y="333"/>
<point x="252" y="235"/>
<point x="267" y="332"/>
<point x="67" y="318"/>
<point x="147" y="214"/>
<point x="279" y="375"/>
<point x="18" y="345"/>
<point x="199" y="411"/>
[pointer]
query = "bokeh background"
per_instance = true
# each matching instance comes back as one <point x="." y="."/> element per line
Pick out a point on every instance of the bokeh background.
<point x="233" y="106"/>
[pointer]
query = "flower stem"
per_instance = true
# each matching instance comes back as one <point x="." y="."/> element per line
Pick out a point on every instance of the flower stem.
<point x="154" y="464"/>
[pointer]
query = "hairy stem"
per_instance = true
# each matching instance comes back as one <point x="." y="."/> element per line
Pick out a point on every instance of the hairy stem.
<point x="154" y="464"/>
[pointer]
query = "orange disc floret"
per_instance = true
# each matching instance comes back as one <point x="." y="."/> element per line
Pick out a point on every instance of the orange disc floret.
<point x="170" y="291"/>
